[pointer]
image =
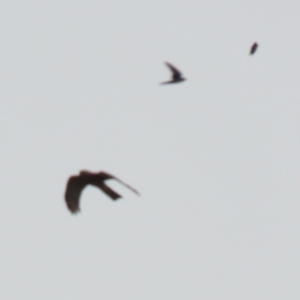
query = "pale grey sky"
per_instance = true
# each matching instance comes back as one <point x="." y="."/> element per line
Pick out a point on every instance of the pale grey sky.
<point x="215" y="158"/>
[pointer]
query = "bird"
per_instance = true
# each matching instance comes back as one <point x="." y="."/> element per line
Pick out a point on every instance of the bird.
<point x="77" y="183"/>
<point x="176" y="75"/>
<point x="253" y="48"/>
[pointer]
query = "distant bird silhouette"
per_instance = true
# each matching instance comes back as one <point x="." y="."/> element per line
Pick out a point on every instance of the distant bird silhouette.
<point x="176" y="75"/>
<point x="77" y="183"/>
<point x="253" y="48"/>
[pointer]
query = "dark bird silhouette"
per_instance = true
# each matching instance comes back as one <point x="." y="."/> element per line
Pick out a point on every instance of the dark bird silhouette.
<point x="253" y="48"/>
<point x="77" y="183"/>
<point x="176" y="75"/>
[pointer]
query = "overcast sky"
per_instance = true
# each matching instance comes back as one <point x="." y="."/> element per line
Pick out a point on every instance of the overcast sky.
<point x="215" y="158"/>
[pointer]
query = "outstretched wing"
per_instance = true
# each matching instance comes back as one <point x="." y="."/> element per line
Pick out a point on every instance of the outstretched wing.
<point x="107" y="190"/>
<point x="75" y="185"/>
<point x="176" y="73"/>
<point x="127" y="185"/>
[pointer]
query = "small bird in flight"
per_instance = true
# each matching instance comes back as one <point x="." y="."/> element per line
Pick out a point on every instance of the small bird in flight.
<point x="176" y="75"/>
<point x="253" y="48"/>
<point x="77" y="183"/>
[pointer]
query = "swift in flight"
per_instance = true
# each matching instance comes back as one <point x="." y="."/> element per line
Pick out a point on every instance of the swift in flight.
<point x="176" y="75"/>
<point x="77" y="183"/>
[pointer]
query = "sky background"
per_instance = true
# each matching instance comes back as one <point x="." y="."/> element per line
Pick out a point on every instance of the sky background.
<point x="215" y="158"/>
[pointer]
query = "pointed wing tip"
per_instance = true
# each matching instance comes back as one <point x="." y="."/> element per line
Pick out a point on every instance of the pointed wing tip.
<point x="117" y="198"/>
<point x="74" y="211"/>
<point x="134" y="190"/>
<point x="169" y="64"/>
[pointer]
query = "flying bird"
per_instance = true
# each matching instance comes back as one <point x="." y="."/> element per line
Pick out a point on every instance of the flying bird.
<point x="253" y="48"/>
<point x="77" y="183"/>
<point x="176" y="75"/>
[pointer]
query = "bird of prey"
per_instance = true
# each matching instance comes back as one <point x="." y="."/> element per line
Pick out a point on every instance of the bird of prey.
<point x="253" y="48"/>
<point x="77" y="183"/>
<point x="176" y="75"/>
